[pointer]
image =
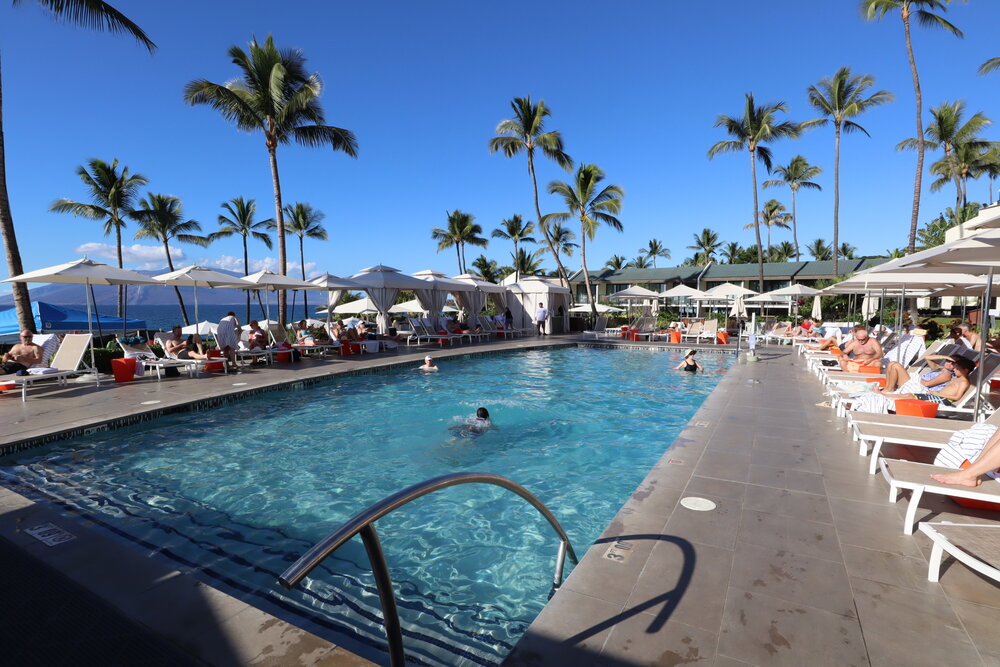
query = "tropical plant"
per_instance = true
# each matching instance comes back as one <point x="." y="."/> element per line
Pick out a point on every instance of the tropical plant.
<point x="487" y="269"/>
<point x="706" y="243"/>
<point x="923" y="11"/>
<point x="758" y="125"/>
<point x="591" y="207"/>
<point x="274" y="95"/>
<point x="641" y="262"/>
<point x="819" y="250"/>
<point x="304" y="222"/>
<point x="526" y="263"/>
<point x="839" y="99"/>
<point x="772" y="215"/>
<point x="783" y="252"/>
<point x="933" y="232"/>
<point x="515" y="229"/>
<point x="524" y="133"/>
<point x="948" y="132"/>
<point x="238" y="220"/>
<point x="846" y="250"/>
<point x="653" y="250"/>
<point x="895" y="253"/>
<point x="732" y="252"/>
<point x="616" y="263"/>
<point x="796" y="174"/>
<point x="161" y="218"/>
<point x="562" y="238"/>
<point x="112" y="194"/>
<point x="970" y="160"/>
<point x="92" y="14"/>
<point x="461" y="230"/>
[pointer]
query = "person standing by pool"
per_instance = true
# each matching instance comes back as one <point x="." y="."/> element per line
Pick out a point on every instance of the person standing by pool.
<point x="690" y="364"/>
<point x="541" y="315"/>
<point x="227" y="336"/>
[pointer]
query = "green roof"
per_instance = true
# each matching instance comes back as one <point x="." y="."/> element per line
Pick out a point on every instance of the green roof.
<point x="632" y="275"/>
<point x="729" y="272"/>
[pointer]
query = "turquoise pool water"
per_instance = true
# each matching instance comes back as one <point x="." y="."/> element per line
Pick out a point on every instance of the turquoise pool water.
<point x="236" y="494"/>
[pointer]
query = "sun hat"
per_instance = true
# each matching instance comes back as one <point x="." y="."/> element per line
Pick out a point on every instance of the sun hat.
<point x="428" y="358"/>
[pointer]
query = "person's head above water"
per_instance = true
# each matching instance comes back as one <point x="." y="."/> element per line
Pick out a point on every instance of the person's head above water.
<point x="483" y="413"/>
<point x="428" y="358"/>
<point x="690" y="352"/>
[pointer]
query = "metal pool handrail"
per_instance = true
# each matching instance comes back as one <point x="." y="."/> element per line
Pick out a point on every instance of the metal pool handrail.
<point x="363" y="523"/>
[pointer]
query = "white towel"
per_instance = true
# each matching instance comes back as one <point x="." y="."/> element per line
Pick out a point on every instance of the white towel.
<point x="965" y="445"/>
<point x="42" y="371"/>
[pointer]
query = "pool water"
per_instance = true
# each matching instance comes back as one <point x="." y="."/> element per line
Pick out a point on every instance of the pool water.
<point x="235" y="494"/>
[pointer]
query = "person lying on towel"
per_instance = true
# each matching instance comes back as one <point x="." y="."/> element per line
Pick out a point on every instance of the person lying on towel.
<point x="880" y="402"/>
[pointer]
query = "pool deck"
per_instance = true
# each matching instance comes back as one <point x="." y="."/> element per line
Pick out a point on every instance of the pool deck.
<point x="802" y="562"/>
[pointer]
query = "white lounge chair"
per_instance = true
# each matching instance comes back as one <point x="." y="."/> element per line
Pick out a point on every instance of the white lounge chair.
<point x="145" y="355"/>
<point x="917" y="478"/>
<point x="976" y="545"/>
<point x="194" y="366"/>
<point x="600" y="327"/>
<point x="694" y="331"/>
<point x="65" y="362"/>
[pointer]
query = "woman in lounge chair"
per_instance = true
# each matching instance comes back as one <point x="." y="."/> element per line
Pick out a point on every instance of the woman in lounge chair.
<point x="303" y="335"/>
<point x="256" y="337"/>
<point x="193" y="349"/>
<point x="879" y="402"/>
<point x="898" y="380"/>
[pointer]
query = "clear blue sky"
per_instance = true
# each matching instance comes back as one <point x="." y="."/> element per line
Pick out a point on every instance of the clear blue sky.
<point x="634" y="87"/>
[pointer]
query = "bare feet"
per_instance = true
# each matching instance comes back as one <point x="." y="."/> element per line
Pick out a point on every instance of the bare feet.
<point x="960" y="478"/>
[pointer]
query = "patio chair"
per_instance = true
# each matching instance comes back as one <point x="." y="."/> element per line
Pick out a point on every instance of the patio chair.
<point x="145" y="355"/>
<point x="694" y="331"/>
<point x="916" y="477"/>
<point x="440" y="335"/>
<point x="65" y="362"/>
<point x="645" y="327"/>
<point x="600" y="327"/>
<point x="975" y="545"/>
<point x="194" y="366"/>
<point x="244" y="353"/>
<point x="417" y="333"/>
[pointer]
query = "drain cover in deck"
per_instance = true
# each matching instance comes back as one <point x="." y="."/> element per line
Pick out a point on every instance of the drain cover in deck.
<point x="698" y="504"/>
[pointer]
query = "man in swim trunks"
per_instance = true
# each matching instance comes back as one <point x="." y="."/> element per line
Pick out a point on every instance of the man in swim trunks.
<point x="970" y="338"/>
<point x="428" y="364"/>
<point x="175" y="343"/>
<point x="22" y="356"/>
<point x="947" y="395"/>
<point x="863" y="350"/>
<point x="941" y="366"/>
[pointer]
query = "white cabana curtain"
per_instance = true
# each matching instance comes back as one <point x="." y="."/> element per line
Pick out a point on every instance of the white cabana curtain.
<point x="384" y="298"/>
<point x="431" y="301"/>
<point x="499" y="300"/>
<point x="472" y="303"/>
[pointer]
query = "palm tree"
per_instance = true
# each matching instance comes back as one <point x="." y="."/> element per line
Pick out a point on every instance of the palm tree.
<point x="591" y="208"/>
<point x="819" y="250"/>
<point x="706" y="243"/>
<point x="461" y="231"/>
<point x="783" y="252"/>
<point x="616" y="263"/>
<point x="796" y="174"/>
<point x="772" y="215"/>
<point x="653" y="250"/>
<point x="757" y="126"/>
<point x="274" y="95"/>
<point x="113" y="195"/>
<point x="562" y="239"/>
<point x="524" y="133"/>
<point x="895" y="253"/>
<point x="93" y="14"/>
<point x="160" y="218"/>
<point x="923" y="10"/>
<point x="487" y="269"/>
<point x="515" y="229"/>
<point x="240" y="221"/>
<point x="841" y="98"/>
<point x="971" y="159"/>
<point x="847" y="250"/>
<point x="641" y="262"/>
<point x="526" y="263"/>
<point x="732" y="252"/>
<point x="304" y="222"/>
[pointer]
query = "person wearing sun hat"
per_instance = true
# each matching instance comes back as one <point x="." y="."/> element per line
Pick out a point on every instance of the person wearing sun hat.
<point x="428" y="364"/>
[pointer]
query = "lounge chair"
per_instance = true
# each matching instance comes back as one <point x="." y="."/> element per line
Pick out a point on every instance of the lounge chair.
<point x="194" y="366"/>
<point x="440" y="335"/>
<point x="976" y="545"/>
<point x="145" y="355"/>
<point x="694" y="331"/>
<point x="776" y="334"/>
<point x="418" y="333"/>
<point x="600" y="327"/>
<point x="917" y="478"/>
<point x="65" y="363"/>
<point x="644" y="328"/>
<point x="244" y="353"/>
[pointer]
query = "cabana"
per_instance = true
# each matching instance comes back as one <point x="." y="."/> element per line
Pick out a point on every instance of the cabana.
<point x="474" y="302"/>
<point x="532" y="290"/>
<point x="383" y="284"/>
<point x="433" y="296"/>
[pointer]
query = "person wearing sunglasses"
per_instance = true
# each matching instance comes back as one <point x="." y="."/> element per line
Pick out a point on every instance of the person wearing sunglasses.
<point x="21" y="356"/>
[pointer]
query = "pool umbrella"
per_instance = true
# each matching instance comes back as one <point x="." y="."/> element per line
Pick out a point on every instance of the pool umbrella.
<point x="817" y="311"/>
<point x="739" y="309"/>
<point x="601" y="308"/>
<point x="84" y="272"/>
<point x="364" y="306"/>
<point x="335" y="288"/>
<point x="199" y="276"/>
<point x="274" y="282"/>
<point x="383" y="284"/>
<point x="728" y="291"/>
<point x="203" y="328"/>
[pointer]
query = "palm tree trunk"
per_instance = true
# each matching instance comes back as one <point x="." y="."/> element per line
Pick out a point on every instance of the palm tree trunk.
<point x="795" y="232"/>
<point x="517" y="268"/>
<point x="917" y="180"/>
<point x="22" y="301"/>
<point x="121" y="288"/>
<point x="458" y="254"/>
<point x="563" y="276"/>
<point x="586" y="274"/>
<point x="836" y="197"/>
<point x="177" y="290"/>
<point x="246" y="271"/>
<point x="279" y="222"/>
<point x="756" y="225"/>
<point x="302" y="261"/>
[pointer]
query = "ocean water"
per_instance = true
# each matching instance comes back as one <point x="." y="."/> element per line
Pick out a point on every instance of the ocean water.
<point x="236" y="494"/>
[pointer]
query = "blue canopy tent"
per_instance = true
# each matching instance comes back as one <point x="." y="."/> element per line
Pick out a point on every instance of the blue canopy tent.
<point x="56" y="319"/>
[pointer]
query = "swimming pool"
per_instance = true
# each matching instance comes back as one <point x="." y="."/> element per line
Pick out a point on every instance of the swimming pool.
<point x="237" y="493"/>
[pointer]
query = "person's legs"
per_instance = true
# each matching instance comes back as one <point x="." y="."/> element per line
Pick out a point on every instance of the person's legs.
<point x="895" y="376"/>
<point x="987" y="461"/>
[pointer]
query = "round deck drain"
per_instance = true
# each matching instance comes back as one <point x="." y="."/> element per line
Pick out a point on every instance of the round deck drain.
<point x="240" y="384"/>
<point x="698" y="504"/>
<point x="150" y="402"/>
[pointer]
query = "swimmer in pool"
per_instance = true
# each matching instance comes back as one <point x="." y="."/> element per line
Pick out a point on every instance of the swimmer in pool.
<point x="428" y="364"/>
<point x="473" y="427"/>
<point x="689" y="364"/>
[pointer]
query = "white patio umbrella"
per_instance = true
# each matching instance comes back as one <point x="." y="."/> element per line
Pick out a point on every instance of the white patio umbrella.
<point x="601" y="308"/>
<point x="199" y="276"/>
<point x="363" y="306"/>
<point x="433" y="296"/>
<point x="383" y="284"/>
<point x="414" y="306"/>
<point x="797" y="289"/>
<point x="636" y="293"/>
<point x="728" y="291"/>
<point x="739" y="309"/>
<point x="84" y="272"/>
<point x="203" y="328"/>
<point x="274" y="282"/>
<point x="680" y="292"/>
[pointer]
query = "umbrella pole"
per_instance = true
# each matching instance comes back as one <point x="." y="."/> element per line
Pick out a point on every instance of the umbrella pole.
<point x="124" y="310"/>
<point x="196" y="318"/>
<point x="90" y="328"/>
<point x="97" y="315"/>
<point x="984" y="328"/>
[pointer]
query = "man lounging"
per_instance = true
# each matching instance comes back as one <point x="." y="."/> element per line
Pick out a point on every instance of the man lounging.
<point x="173" y="345"/>
<point x="22" y="355"/>
<point x="970" y="338"/>
<point x="863" y="350"/>
<point x="897" y="378"/>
